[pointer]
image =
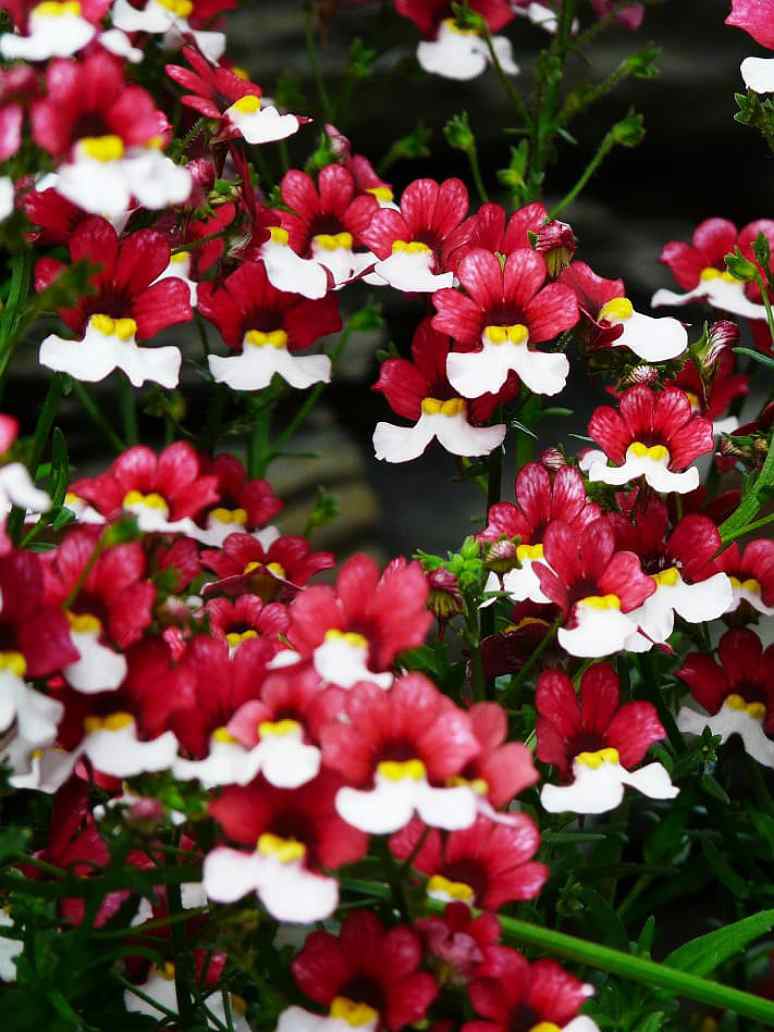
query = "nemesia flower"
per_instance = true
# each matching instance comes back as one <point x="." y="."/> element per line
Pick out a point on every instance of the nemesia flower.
<point x="16" y="485"/>
<point x="756" y="18"/>
<point x="267" y="327"/>
<point x="680" y="561"/>
<point x="515" y="996"/>
<point x="501" y="769"/>
<point x="451" y="50"/>
<point x="614" y="321"/>
<point x="594" y="742"/>
<point x="219" y="93"/>
<point x="491" y="229"/>
<point x="246" y="617"/>
<point x="594" y="585"/>
<point x="159" y="987"/>
<point x="10" y="949"/>
<point x="353" y="632"/>
<point x="736" y="695"/>
<point x="163" y="492"/>
<point x="367" y="976"/>
<point x="651" y="435"/>
<point x="485" y="865"/>
<point x="56" y="28"/>
<point x="120" y="159"/>
<point x="243" y="504"/>
<point x="314" y="242"/>
<point x="504" y="310"/>
<point x="288" y="560"/>
<point x="750" y="571"/>
<point x="172" y="20"/>
<point x="457" y="942"/>
<point x="713" y="399"/>
<point x="413" y="243"/>
<point x="283" y="865"/>
<point x="126" y="305"/>
<point x="419" y="390"/>
<point x="397" y="748"/>
<point x="630" y="15"/>
<point x="18" y="87"/>
<point x="700" y="270"/>
<point x="539" y="500"/>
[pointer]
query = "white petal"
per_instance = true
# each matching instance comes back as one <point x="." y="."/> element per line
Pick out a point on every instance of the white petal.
<point x="99" y="187"/>
<point x="155" y="180"/>
<point x="726" y="722"/>
<point x="504" y="51"/>
<point x="758" y="74"/>
<point x="211" y="44"/>
<point x="590" y="457"/>
<point x="99" y="669"/>
<point x="123" y="755"/>
<point x="58" y="36"/>
<point x="581" y="1024"/>
<point x="741" y="594"/>
<point x="599" y="632"/>
<point x="655" y="340"/>
<point x="288" y="271"/>
<point x="158" y="988"/>
<point x="652" y="780"/>
<point x="227" y="763"/>
<point x="706" y="600"/>
<point x="7" y="197"/>
<point x="454" y="55"/>
<point x="296" y="1019"/>
<point x="543" y="372"/>
<point x="720" y="293"/>
<point x="49" y="770"/>
<point x="448" y="808"/>
<point x="253" y="369"/>
<point x="118" y="43"/>
<point x="591" y="791"/>
<point x="89" y="360"/>
<point x="524" y="584"/>
<point x="656" y="474"/>
<point x="343" y="664"/>
<point x="403" y="443"/>
<point x="458" y="437"/>
<point x="492" y="584"/>
<point x="152" y="18"/>
<point x="474" y="373"/>
<point x="9" y="949"/>
<point x="287" y="762"/>
<point x="340" y="262"/>
<point x="382" y="810"/>
<point x="12" y="690"/>
<point x="540" y="15"/>
<point x="285" y="658"/>
<point x="17" y="488"/>
<point x="229" y="874"/>
<point x="412" y="272"/>
<point x="264" y="125"/>
<point x="291" y="893"/>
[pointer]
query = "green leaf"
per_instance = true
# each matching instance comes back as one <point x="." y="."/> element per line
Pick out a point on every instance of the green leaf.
<point x="653" y="1023"/>
<point x="701" y="956"/>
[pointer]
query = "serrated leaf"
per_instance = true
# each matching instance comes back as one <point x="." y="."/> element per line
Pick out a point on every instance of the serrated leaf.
<point x="701" y="956"/>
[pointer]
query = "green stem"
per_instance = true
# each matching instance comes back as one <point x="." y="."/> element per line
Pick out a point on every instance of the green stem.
<point x="493" y="494"/>
<point x="607" y="144"/>
<point x="750" y="527"/>
<point x="185" y="1005"/>
<point x="21" y="275"/>
<point x="518" y="681"/>
<point x="746" y="510"/>
<point x="473" y="637"/>
<point x="766" y="304"/>
<point x="314" y="64"/>
<point x="128" y="409"/>
<point x="259" y="451"/>
<point x="509" y="88"/>
<point x="475" y="168"/>
<point x="96" y="415"/>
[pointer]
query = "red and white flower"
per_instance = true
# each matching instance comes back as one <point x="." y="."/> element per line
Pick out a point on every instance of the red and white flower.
<point x="489" y="228"/>
<point x="594" y="742"/>
<point x="757" y="18"/>
<point x="126" y="305"/>
<point x="419" y="390"/>
<point x="398" y="752"/>
<point x="681" y="562"/>
<point x="505" y="310"/>
<point x="160" y="997"/>
<point x="16" y="485"/>
<point x="485" y="865"/>
<point x="615" y="322"/>
<point x="120" y="159"/>
<point x="249" y="566"/>
<point x="539" y="500"/>
<point x="712" y="399"/>
<point x="595" y="586"/>
<point x="736" y="696"/>
<point x="55" y="28"/>
<point x="353" y="632"/>
<point x="175" y="20"/>
<point x="283" y="867"/>
<point x="751" y="573"/>
<point x="654" y="435"/>
<point x="457" y="942"/>
<point x="414" y="243"/>
<point x="501" y="769"/>
<point x="453" y="51"/>
<point x="267" y="327"/>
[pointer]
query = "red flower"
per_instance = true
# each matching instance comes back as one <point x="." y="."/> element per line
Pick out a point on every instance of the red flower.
<point x="429" y="214"/>
<point x="569" y="725"/>
<point x="517" y="996"/>
<point x="123" y="288"/>
<point x="487" y="229"/>
<point x="247" y="617"/>
<point x="18" y="86"/>
<point x="690" y="546"/>
<point x="493" y="860"/>
<point x="330" y="208"/>
<point x="172" y="478"/>
<point x="212" y="88"/>
<point x="388" y="611"/>
<point x="504" y="296"/>
<point x="114" y="588"/>
<point x="745" y="669"/>
<point x="652" y="419"/>
<point x="295" y="694"/>
<point x="755" y="17"/>
<point x="255" y="497"/>
<point x="505" y="768"/>
<point x="752" y="567"/>
<point x="93" y="93"/>
<point x="306" y="814"/>
<point x="593" y="292"/>
<point x="458" y="942"/>
<point x="366" y="964"/>
<point x="630" y="16"/>
<point x="289" y="558"/>
<point x="712" y="400"/>
<point x="540" y="500"/>
<point x="55" y="216"/>
<point x="427" y="15"/>
<point x="712" y="240"/>
<point x="247" y="301"/>
<point x="20" y="10"/>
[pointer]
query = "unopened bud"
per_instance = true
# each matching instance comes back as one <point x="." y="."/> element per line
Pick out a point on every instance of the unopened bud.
<point x="557" y="243"/>
<point x="741" y="268"/>
<point x="553" y="459"/>
<point x="445" y="599"/>
<point x="646" y="374"/>
<point x="500" y="556"/>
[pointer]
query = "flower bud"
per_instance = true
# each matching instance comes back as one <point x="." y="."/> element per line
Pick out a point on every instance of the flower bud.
<point x="741" y="268"/>
<point x="557" y="243"/>
<point x="553" y="459"/>
<point x="646" y="374"/>
<point x="445" y="599"/>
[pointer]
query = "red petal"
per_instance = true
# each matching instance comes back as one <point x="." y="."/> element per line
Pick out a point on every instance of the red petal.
<point x="298" y="193"/>
<point x="632" y="732"/>
<point x="714" y="238"/>
<point x="458" y="316"/>
<point x="685" y="263"/>
<point x="142" y="257"/>
<point x="624" y="577"/>
<point x="480" y="274"/>
<point x="385" y="226"/>
<point x="309" y="320"/>
<point x="608" y="429"/>
<point x="164" y="304"/>
<point x="451" y="206"/>
<point x="599" y="697"/>
<point x="403" y="386"/>
<point x="336" y="187"/>
<point x="417" y="205"/>
<point x="551" y="312"/>
<point x="523" y="276"/>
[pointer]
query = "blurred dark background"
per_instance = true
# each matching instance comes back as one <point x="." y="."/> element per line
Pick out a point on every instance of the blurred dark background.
<point x="695" y="162"/>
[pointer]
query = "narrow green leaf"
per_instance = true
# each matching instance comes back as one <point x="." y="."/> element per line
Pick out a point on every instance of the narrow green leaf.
<point x="757" y="356"/>
<point x="701" y="956"/>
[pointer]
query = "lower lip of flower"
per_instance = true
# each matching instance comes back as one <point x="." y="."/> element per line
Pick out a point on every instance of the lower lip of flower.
<point x="601" y="602"/>
<point x="434" y="407"/>
<point x="756" y="710"/>
<point x="595" y="760"/>
<point x="619" y="308"/>
<point x="114" y="722"/>
<point x="123" y="329"/>
<point x="656" y="452"/>
<point x="515" y="334"/>
<point x="356" y="1015"/>
<point x="405" y="770"/>
<point x="287" y="851"/>
<point x="102" y="148"/>
<point x="275" y="339"/>
<point x="446" y="889"/>
<point x="409" y="247"/>
<point x="333" y="241"/>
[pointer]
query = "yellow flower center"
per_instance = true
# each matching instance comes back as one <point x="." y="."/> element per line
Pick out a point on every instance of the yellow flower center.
<point x="103" y="148"/>
<point x="235" y="638"/>
<point x="601" y="602"/>
<point x="545" y="1026"/>
<point x="656" y="452"/>
<point x="595" y="760"/>
<point x="274" y="568"/>
<point x="123" y="329"/>
<point x="669" y="578"/>
<point x="240" y="73"/>
<point x="451" y="25"/>
<point x="333" y="241"/>
<point x="258" y="339"/>
<point x="238" y="516"/>
<point x="114" y="722"/>
<point x="617" y="308"/>
<point x="222" y="734"/>
<point x="406" y="770"/>
<point x="286" y="850"/>
<point x="381" y="193"/>
<point x="14" y="663"/>
<point x="83" y="623"/>
<point x="52" y="9"/>
<point x="409" y="247"/>
<point x="693" y="401"/>
<point x="167" y="971"/>
<point x="247" y="105"/>
<point x="756" y="710"/>
<point x="180" y="8"/>
<point x="279" y="235"/>
<point x="532" y="552"/>
<point x="477" y="785"/>
<point x="434" y="407"/>
<point x="356" y="1015"/>
<point x="751" y="584"/>
<point x="516" y="334"/>
<point x="438" y="885"/>
<point x="148" y="501"/>
<point x="179" y="257"/>
<point x="278" y="729"/>
<point x="357" y="641"/>
<point x="714" y="274"/>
